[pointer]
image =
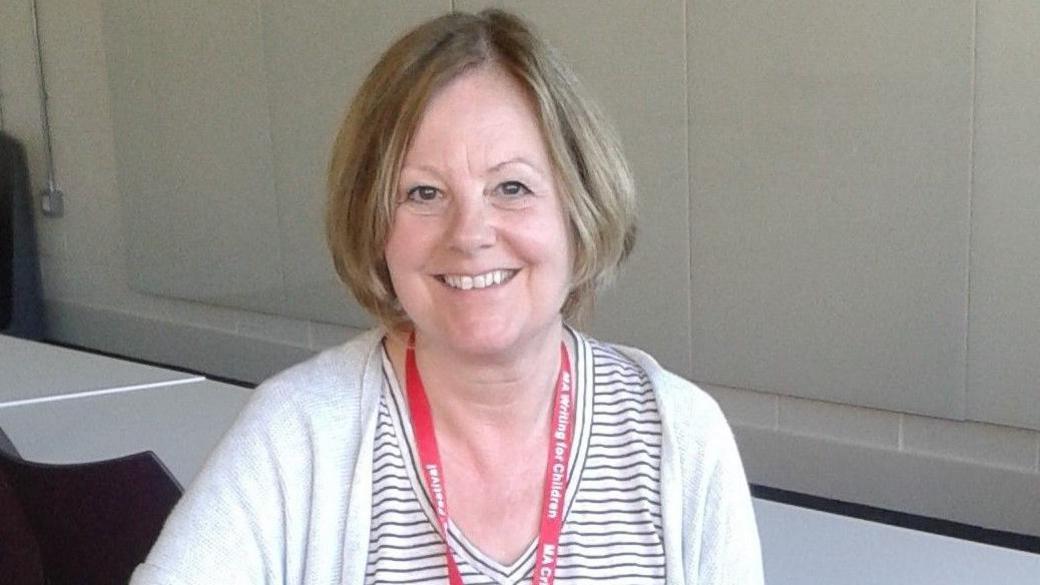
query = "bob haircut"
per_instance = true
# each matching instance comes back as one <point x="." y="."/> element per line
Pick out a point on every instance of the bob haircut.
<point x="594" y="181"/>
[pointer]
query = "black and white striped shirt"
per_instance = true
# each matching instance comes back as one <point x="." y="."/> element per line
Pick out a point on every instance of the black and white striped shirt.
<point x="612" y="527"/>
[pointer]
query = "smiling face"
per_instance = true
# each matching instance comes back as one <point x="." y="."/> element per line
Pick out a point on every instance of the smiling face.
<point x="478" y="250"/>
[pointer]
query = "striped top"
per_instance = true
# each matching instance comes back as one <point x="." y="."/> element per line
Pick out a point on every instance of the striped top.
<point x="612" y="526"/>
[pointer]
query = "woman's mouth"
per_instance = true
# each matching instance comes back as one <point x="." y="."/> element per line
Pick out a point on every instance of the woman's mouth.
<point x="478" y="281"/>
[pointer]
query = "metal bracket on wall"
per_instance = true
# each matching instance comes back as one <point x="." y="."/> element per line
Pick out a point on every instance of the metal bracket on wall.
<point x="51" y="198"/>
<point x="3" y="126"/>
<point x="2" y="96"/>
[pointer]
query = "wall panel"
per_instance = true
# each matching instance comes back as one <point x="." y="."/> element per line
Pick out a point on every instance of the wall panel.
<point x="830" y="148"/>
<point x="1004" y="341"/>
<point x="193" y="149"/>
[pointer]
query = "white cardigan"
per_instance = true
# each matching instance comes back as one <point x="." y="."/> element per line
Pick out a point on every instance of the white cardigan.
<point x="285" y="499"/>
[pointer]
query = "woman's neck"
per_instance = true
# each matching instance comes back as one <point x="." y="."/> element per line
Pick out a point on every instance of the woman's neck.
<point x="484" y="405"/>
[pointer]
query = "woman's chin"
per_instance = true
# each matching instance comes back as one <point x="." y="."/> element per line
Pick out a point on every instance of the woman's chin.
<point x="483" y="341"/>
<point x="487" y="339"/>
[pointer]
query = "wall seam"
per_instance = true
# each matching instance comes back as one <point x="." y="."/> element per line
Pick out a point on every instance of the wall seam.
<point x="272" y="156"/>
<point x="689" y="185"/>
<point x="1038" y="452"/>
<point x="971" y="207"/>
<point x="2" y="95"/>
<point x="776" y="412"/>
<point x="310" y="334"/>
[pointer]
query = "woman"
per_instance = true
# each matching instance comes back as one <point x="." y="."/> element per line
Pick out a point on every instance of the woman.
<point x="477" y="203"/>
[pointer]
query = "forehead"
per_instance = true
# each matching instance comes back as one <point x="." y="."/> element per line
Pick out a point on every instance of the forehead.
<point x="482" y="115"/>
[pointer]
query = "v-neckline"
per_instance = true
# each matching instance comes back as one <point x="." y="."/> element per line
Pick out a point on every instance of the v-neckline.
<point x="465" y="550"/>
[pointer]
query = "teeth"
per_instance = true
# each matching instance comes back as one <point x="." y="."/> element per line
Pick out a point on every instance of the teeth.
<point x="479" y="281"/>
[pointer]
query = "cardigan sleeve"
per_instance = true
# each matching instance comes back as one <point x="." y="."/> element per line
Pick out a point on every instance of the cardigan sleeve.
<point x="729" y="548"/>
<point x="285" y="497"/>
<point x="230" y="526"/>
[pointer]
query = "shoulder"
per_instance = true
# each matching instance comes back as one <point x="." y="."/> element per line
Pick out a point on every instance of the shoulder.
<point x="336" y="378"/>
<point x="345" y="365"/>
<point x="689" y="415"/>
<point x="316" y="405"/>
<point x="696" y="430"/>
<point x="675" y="394"/>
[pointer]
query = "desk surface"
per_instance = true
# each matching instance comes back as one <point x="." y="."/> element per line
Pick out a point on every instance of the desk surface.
<point x="181" y="423"/>
<point x="808" y="547"/>
<point x="35" y="372"/>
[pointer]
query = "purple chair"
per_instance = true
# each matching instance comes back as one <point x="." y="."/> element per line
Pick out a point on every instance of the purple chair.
<point x="83" y="524"/>
<point x="19" y="553"/>
<point x="6" y="446"/>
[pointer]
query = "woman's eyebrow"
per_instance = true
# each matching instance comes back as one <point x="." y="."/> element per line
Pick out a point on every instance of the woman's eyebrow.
<point x="517" y="160"/>
<point x="435" y="172"/>
<point x="431" y="170"/>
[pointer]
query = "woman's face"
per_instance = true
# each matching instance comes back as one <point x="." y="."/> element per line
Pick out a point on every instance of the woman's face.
<point x="479" y="251"/>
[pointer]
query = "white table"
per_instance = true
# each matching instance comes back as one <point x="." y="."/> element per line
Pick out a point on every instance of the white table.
<point x="181" y="423"/>
<point x="807" y="547"/>
<point x="32" y="372"/>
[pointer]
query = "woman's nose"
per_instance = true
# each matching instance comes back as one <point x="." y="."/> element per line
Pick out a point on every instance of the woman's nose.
<point x="471" y="228"/>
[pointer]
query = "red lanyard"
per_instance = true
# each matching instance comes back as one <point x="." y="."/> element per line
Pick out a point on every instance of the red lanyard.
<point x="561" y="435"/>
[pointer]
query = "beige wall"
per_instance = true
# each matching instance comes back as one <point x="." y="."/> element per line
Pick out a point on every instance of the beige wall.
<point x="840" y="202"/>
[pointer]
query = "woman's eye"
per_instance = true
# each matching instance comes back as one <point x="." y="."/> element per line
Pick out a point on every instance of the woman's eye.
<point x="513" y="189"/>
<point x="422" y="194"/>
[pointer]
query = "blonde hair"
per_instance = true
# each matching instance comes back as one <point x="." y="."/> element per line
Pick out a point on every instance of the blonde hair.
<point x="597" y="190"/>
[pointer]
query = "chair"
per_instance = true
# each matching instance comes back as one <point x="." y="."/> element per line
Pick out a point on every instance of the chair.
<point x="19" y="553"/>
<point x="6" y="446"/>
<point x="21" y="298"/>
<point x="92" y="523"/>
